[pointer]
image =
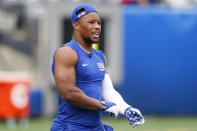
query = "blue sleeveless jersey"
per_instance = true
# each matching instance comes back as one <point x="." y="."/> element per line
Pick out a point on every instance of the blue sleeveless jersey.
<point x="90" y="73"/>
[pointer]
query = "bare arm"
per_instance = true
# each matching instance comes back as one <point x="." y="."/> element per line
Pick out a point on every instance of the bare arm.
<point x="65" y="60"/>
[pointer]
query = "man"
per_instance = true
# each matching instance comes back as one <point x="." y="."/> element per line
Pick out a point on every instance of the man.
<point x="82" y="83"/>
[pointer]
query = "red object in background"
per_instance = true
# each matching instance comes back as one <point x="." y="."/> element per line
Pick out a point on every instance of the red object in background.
<point x="14" y="97"/>
<point x="128" y="1"/>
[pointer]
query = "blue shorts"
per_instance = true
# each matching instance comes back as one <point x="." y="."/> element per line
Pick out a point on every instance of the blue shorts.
<point x="71" y="128"/>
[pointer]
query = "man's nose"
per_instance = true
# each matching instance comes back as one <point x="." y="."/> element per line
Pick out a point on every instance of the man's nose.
<point x="97" y="26"/>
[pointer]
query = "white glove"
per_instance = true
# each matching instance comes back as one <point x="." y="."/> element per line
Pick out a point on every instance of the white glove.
<point x="134" y="117"/>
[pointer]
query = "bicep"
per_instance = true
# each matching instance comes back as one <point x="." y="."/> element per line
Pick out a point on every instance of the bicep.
<point x="64" y="72"/>
<point x="64" y="69"/>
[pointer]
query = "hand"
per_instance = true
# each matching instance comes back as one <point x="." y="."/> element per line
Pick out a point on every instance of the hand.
<point x="110" y="108"/>
<point x="134" y="116"/>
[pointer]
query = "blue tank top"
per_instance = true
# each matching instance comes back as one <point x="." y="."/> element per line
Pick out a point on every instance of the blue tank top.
<point x="90" y="73"/>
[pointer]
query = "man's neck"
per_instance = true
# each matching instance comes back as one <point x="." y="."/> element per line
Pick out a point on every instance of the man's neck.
<point x="86" y="47"/>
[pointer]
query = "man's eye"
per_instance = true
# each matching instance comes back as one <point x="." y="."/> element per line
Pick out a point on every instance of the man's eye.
<point x="91" y="22"/>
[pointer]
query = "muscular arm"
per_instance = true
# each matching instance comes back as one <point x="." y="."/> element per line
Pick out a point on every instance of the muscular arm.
<point x="65" y="61"/>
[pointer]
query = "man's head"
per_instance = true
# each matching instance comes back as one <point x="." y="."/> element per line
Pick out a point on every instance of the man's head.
<point x="86" y="23"/>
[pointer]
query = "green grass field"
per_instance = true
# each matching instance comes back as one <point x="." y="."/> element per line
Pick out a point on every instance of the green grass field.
<point x="153" y="123"/>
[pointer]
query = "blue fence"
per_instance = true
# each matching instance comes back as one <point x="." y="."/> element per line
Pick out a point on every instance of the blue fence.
<point x="160" y="72"/>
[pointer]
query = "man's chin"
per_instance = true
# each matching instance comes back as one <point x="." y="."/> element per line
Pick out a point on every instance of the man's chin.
<point x="91" y="40"/>
<point x="95" y="41"/>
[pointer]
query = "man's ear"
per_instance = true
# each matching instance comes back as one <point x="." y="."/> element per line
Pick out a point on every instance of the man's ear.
<point x="76" y="26"/>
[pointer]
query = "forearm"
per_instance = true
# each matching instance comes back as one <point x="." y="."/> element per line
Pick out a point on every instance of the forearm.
<point x="110" y="94"/>
<point x="133" y="115"/>
<point x="78" y="98"/>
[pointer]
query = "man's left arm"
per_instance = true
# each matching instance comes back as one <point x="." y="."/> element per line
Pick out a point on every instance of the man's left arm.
<point x="133" y="115"/>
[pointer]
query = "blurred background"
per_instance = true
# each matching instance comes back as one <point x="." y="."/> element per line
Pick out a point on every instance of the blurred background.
<point x="151" y="50"/>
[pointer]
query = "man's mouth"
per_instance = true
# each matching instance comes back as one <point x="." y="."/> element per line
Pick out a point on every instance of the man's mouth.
<point x="96" y="34"/>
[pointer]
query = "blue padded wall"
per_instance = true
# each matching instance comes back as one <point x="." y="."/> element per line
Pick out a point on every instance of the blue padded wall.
<point x="160" y="72"/>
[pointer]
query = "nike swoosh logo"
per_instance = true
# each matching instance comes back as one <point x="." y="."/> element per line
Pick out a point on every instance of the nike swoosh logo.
<point x="84" y="65"/>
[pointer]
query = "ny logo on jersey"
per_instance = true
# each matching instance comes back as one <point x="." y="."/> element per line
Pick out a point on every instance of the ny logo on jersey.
<point x="101" y="66"/>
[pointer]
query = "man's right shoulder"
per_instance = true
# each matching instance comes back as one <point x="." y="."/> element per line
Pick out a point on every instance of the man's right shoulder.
<point x="66" y="50"/>
<point x="66" y="53"/>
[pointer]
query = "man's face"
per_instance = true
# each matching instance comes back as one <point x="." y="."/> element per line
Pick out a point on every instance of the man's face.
<point x="90" y="27"/>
